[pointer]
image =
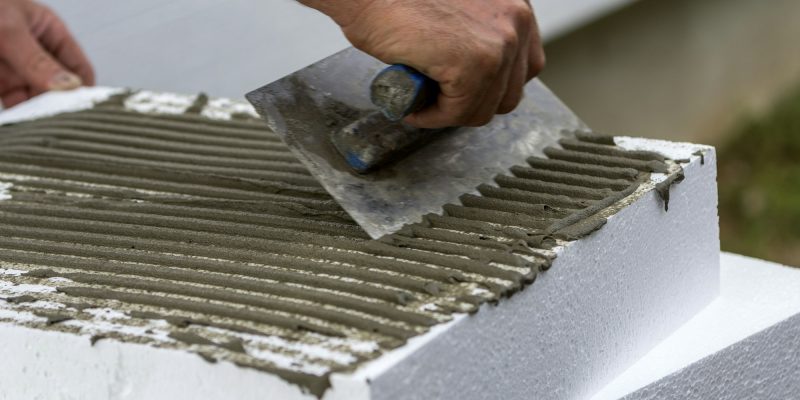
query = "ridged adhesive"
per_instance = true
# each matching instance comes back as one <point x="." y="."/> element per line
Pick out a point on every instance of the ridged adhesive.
<point x="213" y="227"/>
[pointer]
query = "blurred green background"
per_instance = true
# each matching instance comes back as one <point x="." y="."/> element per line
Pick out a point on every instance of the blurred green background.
<point x="759" y="185"/>
<point x="691" y="70"/>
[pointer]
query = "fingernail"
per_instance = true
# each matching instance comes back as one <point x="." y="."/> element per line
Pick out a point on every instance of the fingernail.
<point x="64" y="81"/>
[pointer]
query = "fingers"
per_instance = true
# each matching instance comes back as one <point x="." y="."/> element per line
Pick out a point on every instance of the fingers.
<point x="487" y="108"/>
<point x="447" y="111"/>
<point x="37" y="54"/>
<point x="474" y="95"/>
<point x="519" y="74"/>
<point x="536" y="56"/>
<point x="58" y="40"/>
<point x="516" y="85"/>
<point x="13" y="89"/>
<point x="469" y="101"/>
<point x="23" y="53"/>
<point x="481" y="52"/>
<point x="8" y="78"/>
<point x="14" y="96"/>
<point x="463" y="91"/>
<point x="492" y="80"/>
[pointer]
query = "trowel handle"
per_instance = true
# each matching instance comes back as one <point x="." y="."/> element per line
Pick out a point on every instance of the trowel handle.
<point x="400" y="90"/>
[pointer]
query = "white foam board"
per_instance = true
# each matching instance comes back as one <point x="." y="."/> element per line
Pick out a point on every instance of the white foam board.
<point x="606" y="301"/>
<point x="51" y="103"/>
<point x="745" y="345"/>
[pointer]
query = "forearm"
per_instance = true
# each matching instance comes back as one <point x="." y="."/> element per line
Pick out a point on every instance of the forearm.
<point x="341" y="11"/>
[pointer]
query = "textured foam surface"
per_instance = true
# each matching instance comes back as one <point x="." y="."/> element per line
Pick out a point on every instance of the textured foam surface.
<point x="183" y="232"/>
<point x="745" y="345"/>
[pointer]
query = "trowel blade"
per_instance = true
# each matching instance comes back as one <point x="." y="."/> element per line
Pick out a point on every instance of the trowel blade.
<point x="304" y="108"/>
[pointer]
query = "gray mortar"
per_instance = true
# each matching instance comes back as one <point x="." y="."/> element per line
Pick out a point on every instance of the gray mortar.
<point x="213" y="225"/>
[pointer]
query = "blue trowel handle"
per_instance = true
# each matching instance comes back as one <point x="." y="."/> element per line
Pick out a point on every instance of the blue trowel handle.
<point x="377" y="139"/>
<point x="400" y="90"/>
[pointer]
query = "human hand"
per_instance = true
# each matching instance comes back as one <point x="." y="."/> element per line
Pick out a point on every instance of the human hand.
<point x="37" y="53"/>
<point x="481" y="52"/>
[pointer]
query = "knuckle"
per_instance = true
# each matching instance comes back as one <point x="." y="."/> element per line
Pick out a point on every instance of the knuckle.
<point x="57" y="26"/>
<point x="509" y="39"/>
<point x="490" y="59"/>
<point x="523" y="12"/>
<point x="537" y="62"/>
<point x="520" y="7"/>
<point x="457" y="78"/>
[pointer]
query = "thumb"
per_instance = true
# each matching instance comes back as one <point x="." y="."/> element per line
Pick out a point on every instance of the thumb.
<point x="36" y="66"/>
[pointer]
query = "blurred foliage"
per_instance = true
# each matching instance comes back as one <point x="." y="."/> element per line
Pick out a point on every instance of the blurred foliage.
<point x="759" y="184"/>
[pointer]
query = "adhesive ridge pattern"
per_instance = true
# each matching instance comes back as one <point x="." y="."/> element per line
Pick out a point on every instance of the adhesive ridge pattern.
<point x="208" y="236"/>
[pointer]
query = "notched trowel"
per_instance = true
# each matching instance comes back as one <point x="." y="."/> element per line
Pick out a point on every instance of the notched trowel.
<point x="384" y="173"/>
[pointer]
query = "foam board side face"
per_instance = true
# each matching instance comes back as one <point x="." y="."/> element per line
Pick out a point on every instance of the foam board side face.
<point x="744" y="345"/>
<point x="605" y="302"/>
<point x="765" y="366"/>
<point x="118" y="370"/>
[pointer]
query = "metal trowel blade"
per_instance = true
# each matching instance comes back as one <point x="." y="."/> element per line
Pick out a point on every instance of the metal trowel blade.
<point x="307" y="106"/>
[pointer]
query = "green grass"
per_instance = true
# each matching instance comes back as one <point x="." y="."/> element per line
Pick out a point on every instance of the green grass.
<point x="759" y="184"/>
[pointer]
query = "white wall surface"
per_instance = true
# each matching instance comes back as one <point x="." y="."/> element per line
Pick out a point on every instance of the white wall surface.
<point x="228" y="47"/>
<point x="557" y="17"/>
<point x="222" y="47"/>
